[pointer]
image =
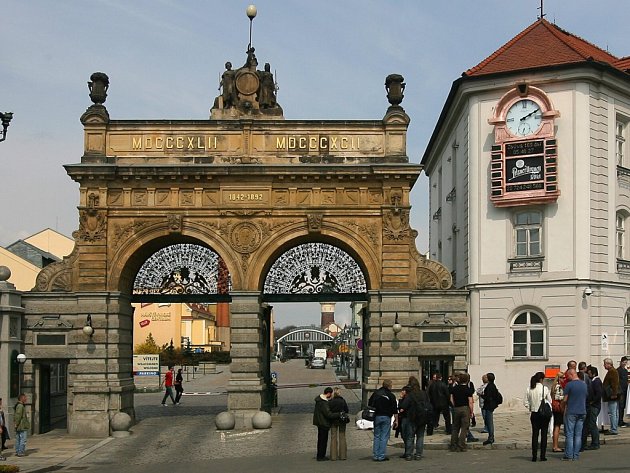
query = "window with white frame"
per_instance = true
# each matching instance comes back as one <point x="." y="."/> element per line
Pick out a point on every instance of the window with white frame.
<point x="626" y="331"/>
<point x="528" y="335"/>
<point x="621" y="235"/>
<point x="528" y="234"/>
<point x="58" y="376"/>
<point x="620" y="142"/>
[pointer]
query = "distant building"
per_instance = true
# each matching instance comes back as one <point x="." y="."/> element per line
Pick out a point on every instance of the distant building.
<point x="327" y="314"/>
<point x="332" y="329"/>
<point x="25" y="258"/>
<point x="186" y="325"/>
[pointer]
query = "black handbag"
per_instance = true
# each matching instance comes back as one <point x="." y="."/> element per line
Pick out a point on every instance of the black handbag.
<point x="368" y="414"/>
<point x="544" y="410"/>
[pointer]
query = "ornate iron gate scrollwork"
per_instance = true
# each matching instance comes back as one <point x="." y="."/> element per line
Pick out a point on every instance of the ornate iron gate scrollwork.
<point x="315" y="268"/>
<point x="183" y="269"/>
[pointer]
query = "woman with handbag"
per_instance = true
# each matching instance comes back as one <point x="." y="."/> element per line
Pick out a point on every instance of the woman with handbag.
<point x="338" y="447"/>
<point x="557" y="396"/>
<point x="535" y="399"/>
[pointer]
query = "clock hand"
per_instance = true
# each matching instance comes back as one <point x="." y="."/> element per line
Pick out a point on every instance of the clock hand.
<point x="528" y="115"/>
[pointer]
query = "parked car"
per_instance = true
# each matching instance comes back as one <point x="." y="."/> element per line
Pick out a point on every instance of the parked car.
<point x="318" y="362"/>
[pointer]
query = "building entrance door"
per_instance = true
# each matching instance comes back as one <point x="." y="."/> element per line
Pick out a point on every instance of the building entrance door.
<point x="44" y="398"/>
<point x="53" y="397"/>
<point x="428" y="366"/>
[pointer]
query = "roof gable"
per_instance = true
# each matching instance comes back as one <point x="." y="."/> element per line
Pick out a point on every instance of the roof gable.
<point x="539" y="45"/>
<point x="31" y="253"/>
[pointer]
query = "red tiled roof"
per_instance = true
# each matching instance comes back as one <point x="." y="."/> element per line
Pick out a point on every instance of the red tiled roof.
<point x="623" y="64"/>
<point x="543" y="44"/>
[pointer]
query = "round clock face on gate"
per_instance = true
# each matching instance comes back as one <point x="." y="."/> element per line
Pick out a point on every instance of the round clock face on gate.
<point x="523" y="118"/>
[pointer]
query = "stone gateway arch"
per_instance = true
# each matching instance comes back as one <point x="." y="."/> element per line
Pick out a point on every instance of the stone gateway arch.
<point x="250" y="186"/>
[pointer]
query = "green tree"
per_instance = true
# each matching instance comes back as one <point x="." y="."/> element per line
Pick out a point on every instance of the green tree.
<point x="148" y="347"/>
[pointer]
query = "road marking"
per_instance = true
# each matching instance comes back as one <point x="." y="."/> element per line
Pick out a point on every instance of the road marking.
<point x="225" y="436"/>
<point x="208" y="393"/>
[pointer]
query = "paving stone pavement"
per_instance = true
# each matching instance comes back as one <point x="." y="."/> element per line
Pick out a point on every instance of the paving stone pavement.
<point x="163" y="434"/>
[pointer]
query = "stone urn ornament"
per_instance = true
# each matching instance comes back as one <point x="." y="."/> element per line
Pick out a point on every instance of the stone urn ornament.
<point x="98" y="85"/>
<point x="395" y="86"/>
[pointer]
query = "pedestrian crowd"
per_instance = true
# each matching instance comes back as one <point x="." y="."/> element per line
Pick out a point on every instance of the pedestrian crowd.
<point x="581" y="402"/>
<point x="577" y="400"/>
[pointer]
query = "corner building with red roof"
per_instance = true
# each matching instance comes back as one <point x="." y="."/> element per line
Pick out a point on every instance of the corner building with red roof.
<point x="529" y="168"/>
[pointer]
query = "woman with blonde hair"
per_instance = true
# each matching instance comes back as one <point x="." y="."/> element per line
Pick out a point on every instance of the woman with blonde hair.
<point x="534" y="396"/>
<point x="557" y="395"/>
<point x="338" y="447"/>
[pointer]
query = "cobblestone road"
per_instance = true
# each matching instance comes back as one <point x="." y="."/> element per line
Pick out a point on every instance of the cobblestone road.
<point x="184" y="438"/>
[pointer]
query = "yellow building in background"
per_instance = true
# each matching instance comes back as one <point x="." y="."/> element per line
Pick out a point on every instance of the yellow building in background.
<point x="25" y="258"/>
<point x="182" y="325"/>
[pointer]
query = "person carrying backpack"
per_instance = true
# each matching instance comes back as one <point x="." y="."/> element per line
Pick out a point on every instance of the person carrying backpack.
<point x="418" y="412"/>
<point x="491" y="400"/>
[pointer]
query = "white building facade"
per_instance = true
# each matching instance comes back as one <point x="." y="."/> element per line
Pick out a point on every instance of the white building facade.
<point x="529" y="169"/>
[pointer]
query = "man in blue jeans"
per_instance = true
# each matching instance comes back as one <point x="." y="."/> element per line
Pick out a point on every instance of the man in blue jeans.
<point x="22" y="425"/>
<point x="610" y="394"/>
<point x="384" y="403"/>
<point x="575" y="394"/>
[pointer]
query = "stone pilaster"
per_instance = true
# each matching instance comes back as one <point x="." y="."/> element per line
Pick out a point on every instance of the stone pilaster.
<point x="11" y="313"/>
<point x="245" y="388"/>
<point x="389" y="356"/>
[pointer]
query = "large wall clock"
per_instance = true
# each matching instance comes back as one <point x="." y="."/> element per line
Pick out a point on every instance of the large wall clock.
<point x="524" y="158"/>
<point x="524" y="117"/>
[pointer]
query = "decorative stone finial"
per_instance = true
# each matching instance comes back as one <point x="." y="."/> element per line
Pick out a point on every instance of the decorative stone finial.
<point x="98" y="85"/>
<point x="395" y="86"/>
<point x="97" y="113"/>
<point x="5" y="273"/>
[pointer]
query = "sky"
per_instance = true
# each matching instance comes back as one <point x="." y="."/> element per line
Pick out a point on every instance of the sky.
<point x="164" y="59"/>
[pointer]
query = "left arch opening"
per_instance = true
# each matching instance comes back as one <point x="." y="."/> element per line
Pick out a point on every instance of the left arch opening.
<point x="182" y="270"/>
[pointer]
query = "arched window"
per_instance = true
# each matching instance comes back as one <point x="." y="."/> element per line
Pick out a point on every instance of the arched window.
<point x="626" y="331"/>
<point x="529" y="334"/>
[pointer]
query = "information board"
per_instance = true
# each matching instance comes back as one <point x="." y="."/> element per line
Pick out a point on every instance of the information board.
<point x="146" y="365"/>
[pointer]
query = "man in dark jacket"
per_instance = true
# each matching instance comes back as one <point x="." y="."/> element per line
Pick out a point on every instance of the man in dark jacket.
<point x="385" y="406"/>
<point x="439" y="397"/>
<point x="322" y="417"/>
<point x="594" y="406"/>
<point x="490" y="398"/>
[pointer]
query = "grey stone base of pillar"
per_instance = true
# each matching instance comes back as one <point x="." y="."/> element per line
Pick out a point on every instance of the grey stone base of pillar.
<point x="243" y="419"/>
<point x="120" y="434"/>
<point x="89" y="425"/>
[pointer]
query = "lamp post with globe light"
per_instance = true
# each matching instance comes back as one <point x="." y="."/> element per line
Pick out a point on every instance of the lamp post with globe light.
<point x="21" y="359"/>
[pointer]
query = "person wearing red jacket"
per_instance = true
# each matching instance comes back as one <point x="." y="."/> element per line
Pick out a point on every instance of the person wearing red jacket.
<point x="168" y="384"/>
